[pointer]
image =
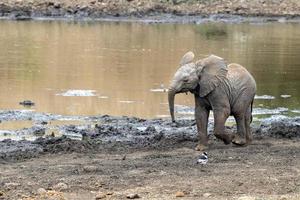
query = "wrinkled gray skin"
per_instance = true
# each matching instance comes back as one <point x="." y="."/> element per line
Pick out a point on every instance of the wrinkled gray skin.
<point x="224" y="89"/>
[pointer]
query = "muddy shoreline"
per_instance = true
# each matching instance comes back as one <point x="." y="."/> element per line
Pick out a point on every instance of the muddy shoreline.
<point x="115" y="134"/>
<point x="176" y="11"/>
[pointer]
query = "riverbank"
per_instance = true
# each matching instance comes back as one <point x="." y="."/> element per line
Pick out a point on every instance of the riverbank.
<point x="112" y="157"/>
<point x="66" y="134"/>
<point x="190" y="11"/>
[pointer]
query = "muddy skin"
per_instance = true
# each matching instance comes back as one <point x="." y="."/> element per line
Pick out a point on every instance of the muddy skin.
<point x="155" y="159"/>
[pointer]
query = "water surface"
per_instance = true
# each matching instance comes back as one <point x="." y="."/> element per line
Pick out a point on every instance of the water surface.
<point x="91" y="68"/>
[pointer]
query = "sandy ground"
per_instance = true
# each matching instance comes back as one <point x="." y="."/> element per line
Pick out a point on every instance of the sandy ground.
<point x="267" y="169"/>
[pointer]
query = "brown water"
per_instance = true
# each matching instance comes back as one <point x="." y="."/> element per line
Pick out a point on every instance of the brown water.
<point x="123" y="62"/>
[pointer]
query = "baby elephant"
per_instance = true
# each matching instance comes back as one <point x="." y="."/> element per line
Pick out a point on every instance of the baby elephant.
<point x="224" y="89"/>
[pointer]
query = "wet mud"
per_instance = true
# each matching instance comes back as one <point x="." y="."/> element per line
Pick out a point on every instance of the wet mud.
<point x="114" y="134"/>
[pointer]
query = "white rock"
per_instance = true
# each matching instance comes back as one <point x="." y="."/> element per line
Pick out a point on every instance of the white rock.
<point x="41" y="191"/>
<point x="246" y="198"/>
<point x="60" y="187"/>
<point x="207" y="195"/>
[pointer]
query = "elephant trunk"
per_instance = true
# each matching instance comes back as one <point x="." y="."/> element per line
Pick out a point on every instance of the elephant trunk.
<point x="171" y="97"/>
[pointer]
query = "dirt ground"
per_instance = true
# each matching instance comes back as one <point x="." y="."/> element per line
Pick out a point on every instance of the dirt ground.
<point x="267" y="169"/>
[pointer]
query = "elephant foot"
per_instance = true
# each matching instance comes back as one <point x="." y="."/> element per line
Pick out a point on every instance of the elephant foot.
<point x="239" y="141"/>
<point x="248" y="139"/>
<point x="201" y="147"/>
<point x="226" y="138"/>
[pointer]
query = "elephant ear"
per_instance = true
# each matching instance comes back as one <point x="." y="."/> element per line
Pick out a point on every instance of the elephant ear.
<point x="187" y="58"/>
<point x="213" y="71"/>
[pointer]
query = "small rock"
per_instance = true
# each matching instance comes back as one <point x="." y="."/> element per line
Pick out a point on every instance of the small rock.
<point x="50" y="3"/>
<point x="109" y="193"/>
<point x="41" y="191"/>
<point x="100" y="195"/>
<point x="283" y="198"/>
<point x="11" y="185"/>
<point x="273" y="179"/>
<point x="23" y="196"/>
<point x="38" y="130"/>
<point x="2" y="194"/>
<point x="90" y="168"/>
<point x="207" y="195"/>
<point x="132" y="196"/>
<point x="57" y="5"/>
<point x="52" y="194"/>
<point x="27" y="103"/>
<point x="84" y="7"/>
<point x="179" y="194"/>
<point x="44" y="122"/>
<point x="246" y="198"/>
<point x="150" y="129"/>
<point x="60" y="187"/>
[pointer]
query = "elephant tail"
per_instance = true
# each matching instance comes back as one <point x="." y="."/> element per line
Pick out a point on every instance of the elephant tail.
<point x="251" y="111"/>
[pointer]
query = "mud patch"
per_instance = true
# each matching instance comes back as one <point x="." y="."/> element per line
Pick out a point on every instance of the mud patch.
<point x="11" y="150"/>
<point x="280" y="127"/>
<point x="107" y="133"/>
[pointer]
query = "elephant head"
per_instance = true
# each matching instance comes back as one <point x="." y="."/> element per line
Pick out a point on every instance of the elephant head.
<point x="207" y="73"/>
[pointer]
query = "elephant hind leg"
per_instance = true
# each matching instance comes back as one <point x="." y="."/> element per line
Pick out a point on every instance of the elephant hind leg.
<point x="243" y="120"/>
<point x="240" y="138"/>
<point x="248" y="120"/>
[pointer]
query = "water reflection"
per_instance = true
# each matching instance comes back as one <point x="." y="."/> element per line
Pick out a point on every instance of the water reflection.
<point x="125" y="62"/>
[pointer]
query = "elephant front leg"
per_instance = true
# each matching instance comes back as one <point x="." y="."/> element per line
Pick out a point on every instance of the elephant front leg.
<point x="220" y="117"/>
<point x="201" y="116"/>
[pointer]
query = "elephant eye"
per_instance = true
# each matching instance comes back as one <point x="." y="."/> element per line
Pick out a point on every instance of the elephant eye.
<point x="185" y="80"/>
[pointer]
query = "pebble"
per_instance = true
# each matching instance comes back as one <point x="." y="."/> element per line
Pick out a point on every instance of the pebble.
<point x="90" y="168"/>
<point x="132" y="196"/>
<point x="41" y="191"/>
<point x="11" y="185"/>
<point x="273" y="179"/>
<point x="283" y="198"/>
<point x="246" y="198"/>
<point x="100" y="195"/>
<point x="60" y="187"/>
<point x="207" y="195"/>
<point x="179" y="194"/>
<point x="250" y="163"/>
